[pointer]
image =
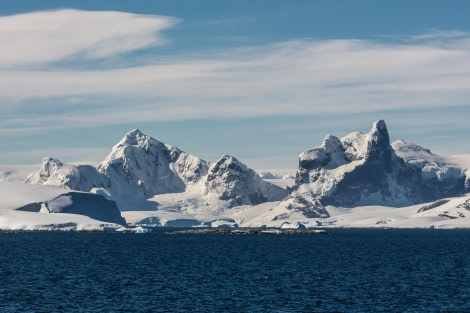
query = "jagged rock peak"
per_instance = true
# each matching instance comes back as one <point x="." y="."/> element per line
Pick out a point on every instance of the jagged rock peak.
<point x="146" y="166"/>
<point x="378" y="135"/>
<point x="134" y="133"/>
<point x="379" y="138"/>
<point x="355" y="146"/>
<point x="380" y="126"/>
<point x="136" y="138"/>
<point x="49" y="165"/>
<point x="136" y="147"/>
<point x="233" y="181"/>
<point x="227" y="161"/>
<point x="132" y="138"/>
<point x="226" y="164"/>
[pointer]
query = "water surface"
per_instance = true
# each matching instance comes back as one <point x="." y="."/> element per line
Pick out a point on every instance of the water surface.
<point x="344" y="271"/>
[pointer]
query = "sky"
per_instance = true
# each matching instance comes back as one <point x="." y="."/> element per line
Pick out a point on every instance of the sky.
<point x="261" y="80"/>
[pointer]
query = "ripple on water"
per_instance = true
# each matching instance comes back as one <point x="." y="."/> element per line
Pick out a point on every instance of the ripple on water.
<point x="344" y="271"/>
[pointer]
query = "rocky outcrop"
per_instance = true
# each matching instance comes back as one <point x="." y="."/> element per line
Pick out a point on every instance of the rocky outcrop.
<point x="308" y="206"/>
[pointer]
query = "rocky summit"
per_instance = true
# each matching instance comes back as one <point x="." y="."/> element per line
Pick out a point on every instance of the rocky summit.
<point x="141" y="166"/>
<point x="233" y="181"/>
<point x="365" y="169"/>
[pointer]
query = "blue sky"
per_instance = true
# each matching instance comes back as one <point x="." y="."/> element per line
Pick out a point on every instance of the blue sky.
<point x="260" y="80"/>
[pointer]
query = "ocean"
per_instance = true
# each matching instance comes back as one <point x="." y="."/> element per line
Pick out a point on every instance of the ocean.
<point x="347" y="270"/>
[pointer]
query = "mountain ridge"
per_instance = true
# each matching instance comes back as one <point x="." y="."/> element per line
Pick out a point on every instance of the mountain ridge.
<point x="140" y="167"/>
<point x="158" y="184"/>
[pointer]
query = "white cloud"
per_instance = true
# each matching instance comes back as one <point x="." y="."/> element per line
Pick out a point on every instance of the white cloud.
<point x="441" y="34"/>
<point x="290" y="78"/>
<point x="48" y="36"/>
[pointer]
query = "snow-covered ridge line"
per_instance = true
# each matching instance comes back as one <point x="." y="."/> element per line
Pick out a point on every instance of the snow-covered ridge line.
<point x="139" y="168"/>
<point x="359" y="180"/>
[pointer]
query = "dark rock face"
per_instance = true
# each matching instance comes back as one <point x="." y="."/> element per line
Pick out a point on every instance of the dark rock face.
<point x="392" y="186"/>
<point x="309" y="207"/>
<point x="465" y="205"/>
<point x="365" y="169"/>
<point x="467" y="183"/>
<point x="378" y="147"/>
<point x="432" y="205"/>
<point x="331" y="152"/>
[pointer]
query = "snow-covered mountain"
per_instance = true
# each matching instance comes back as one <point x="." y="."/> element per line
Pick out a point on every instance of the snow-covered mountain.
<point x="360" y="180"/>
<point x="234" y="182"/>
<point x="139" y="168"/>
<point x="365" y="169"/>
<point x="76" y="177"/>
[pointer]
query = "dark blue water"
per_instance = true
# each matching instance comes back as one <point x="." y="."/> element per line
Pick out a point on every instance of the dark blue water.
<point x="344" y="271"/>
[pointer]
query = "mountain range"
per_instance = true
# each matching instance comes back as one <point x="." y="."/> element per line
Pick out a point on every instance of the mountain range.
<point x="140" y="167"/>
<point x="153" y="183"/>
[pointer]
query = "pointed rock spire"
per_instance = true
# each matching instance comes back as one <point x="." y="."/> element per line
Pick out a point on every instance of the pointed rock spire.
<point x="379" y="139"/>
<point x="379" y="150"/>
<point x="132" y="138"/>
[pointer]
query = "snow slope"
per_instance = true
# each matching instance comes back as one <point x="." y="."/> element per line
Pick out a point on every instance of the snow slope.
<point x="32" y="207"/>
<point x="451" y="213"/>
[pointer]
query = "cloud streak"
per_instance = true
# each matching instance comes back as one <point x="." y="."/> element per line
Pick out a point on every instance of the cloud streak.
<point x="49" y="36"/>
<point x="297" y="77"/>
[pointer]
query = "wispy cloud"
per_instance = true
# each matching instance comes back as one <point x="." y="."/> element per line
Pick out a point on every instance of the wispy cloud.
<point x="441" y="34"/>
<point x="48" y="36"/>
<point x="290" y="78"/>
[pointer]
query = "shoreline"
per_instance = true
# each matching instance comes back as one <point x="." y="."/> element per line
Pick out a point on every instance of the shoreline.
<point x="251" y="231"/>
